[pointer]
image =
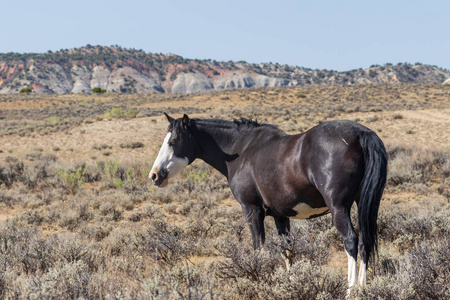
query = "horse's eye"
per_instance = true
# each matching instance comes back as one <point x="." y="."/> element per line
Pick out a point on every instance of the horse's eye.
<point x="171" y="143"/>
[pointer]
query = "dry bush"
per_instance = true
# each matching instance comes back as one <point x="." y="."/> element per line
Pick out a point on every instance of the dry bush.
<point x="12" y="172"/>
<point x="25" y="249"/>
<point x="180" y="282"/>
<point x="409" y="167"/>
<point x="262" y="275"/>
<point x="97" y="231"/>
<point x="303" y="242"/>
<point x="305" y="280"/>
<point x="428" y="267"/>
<point x="167" y="244"/>
<point x="64" y="281"/>
<point x="242" y="261"/>
<point x="110" y="211"/>
<point x="132" y="145"/>
<point x="421" y="273"/>
<point x="32" y="175"/>
<point x="7" y="200"/>
<point x="404" y="229"/>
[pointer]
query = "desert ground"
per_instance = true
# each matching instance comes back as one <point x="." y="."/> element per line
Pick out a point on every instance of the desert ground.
<point x="80" y="219"/>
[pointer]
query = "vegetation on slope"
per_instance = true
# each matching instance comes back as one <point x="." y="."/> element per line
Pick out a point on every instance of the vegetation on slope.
<point x="79" y="221"/>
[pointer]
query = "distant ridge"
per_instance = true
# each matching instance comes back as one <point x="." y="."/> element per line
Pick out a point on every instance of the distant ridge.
<point x="119" y="70"/>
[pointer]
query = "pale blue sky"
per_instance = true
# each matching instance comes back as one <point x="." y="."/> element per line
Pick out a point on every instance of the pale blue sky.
<point x="338" y="35"/>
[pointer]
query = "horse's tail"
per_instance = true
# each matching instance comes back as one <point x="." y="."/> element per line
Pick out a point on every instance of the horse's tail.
<point x="372" y="186"/>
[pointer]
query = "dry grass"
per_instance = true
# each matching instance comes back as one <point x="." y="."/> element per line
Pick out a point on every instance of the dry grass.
<point x="79" y="219"/>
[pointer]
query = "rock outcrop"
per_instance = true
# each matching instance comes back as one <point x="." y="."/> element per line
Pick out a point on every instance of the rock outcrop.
<point x="247" y="80"/>
<point x="191" y="83"/>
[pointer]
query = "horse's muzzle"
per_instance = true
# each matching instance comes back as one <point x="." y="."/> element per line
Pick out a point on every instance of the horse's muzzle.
<point x="159" y="178"/>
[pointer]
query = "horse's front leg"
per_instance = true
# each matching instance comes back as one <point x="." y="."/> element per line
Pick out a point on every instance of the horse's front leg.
<point x="254" y="215"/>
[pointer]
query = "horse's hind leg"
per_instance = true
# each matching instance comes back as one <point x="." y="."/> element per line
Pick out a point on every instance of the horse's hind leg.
<point x="284" y="226"/>
<point x="342" y="222"/>
<point x="363" y="264"/>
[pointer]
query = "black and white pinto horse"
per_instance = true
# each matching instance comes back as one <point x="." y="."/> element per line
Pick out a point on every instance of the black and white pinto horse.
<point x="323" y="170"/>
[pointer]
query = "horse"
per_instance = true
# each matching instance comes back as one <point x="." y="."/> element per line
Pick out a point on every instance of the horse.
<point x="323" y="170"/>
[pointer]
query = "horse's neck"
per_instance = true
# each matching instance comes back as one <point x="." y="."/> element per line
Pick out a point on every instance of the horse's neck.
<point x="219" y="146"/>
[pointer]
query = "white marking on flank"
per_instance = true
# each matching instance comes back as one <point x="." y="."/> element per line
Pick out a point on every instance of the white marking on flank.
<point x="304" y="211"/>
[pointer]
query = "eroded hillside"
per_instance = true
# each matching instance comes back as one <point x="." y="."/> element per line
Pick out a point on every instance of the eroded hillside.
<point x="119" y="70"/>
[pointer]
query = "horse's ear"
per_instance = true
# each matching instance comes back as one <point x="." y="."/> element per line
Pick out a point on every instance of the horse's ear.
<point x="185" y="121"/>
<point x="169" y="118"/>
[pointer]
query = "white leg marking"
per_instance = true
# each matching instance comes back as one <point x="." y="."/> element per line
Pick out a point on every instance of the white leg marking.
<point x="352" y="271"/>
<point x="362" y="274"/>
<point x="352" y="274"/>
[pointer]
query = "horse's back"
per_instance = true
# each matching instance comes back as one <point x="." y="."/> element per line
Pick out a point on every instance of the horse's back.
<point x="329" y="133"/>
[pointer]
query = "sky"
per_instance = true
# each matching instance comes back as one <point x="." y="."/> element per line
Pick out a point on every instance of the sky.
<point x="334" y="35"/>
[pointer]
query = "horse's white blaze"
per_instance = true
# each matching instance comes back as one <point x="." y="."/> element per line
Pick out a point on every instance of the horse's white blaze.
<point x="352" y="270"/>
<point x="362" y="274"/>
<point x="167" y="160"/>
<point x="304" y="211"/>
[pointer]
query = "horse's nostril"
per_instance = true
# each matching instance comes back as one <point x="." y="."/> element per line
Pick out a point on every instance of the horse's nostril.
<point x="153" y="176"/>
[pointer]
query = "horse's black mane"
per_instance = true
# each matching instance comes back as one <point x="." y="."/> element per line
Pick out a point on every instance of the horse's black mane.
<point x="237" y="123"/>
<point x="247" y="122"/>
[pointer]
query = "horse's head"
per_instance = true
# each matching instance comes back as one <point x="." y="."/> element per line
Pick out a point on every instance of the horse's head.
<point x="177" y="151"/>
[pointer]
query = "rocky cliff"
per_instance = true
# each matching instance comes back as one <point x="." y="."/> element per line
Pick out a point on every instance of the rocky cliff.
<point x="120" y="70"/>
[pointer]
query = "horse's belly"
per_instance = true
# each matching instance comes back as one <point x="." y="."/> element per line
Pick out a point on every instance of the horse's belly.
<point x="304" y="211"/>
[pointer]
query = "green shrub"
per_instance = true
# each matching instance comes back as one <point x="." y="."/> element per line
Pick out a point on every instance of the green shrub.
<point x="53" y="120"/>
<point x="26" y="90"/>
<point x="71" y="180"/>
<point x="111" y="172"/>
<point x="199" y="176"/>
<point x="98" y="90"/>
<point x="120" y="113"/>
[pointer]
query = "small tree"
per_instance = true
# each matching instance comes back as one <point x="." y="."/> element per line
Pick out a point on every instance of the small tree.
<point x="98" y="90"/>
<point x="26" y="90"/>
